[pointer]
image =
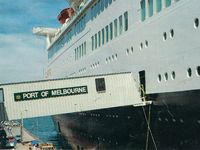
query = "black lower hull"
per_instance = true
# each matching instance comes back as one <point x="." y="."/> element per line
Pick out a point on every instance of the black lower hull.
<point x="173" y="118"/>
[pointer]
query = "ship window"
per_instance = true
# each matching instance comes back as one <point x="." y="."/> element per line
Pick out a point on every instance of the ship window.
<point x="120" y="24"/>
<point x="95" y="40"/>
<point x="196" y="23"/>
<point x="171" y="33"/>
<point x="106" y="3"/>
<point x="150" y="7"/>
<point x="100" y="84"/>
<point x="126" y="21"/>
<point x="102" y="32"/>
<point x="111" y="31"/>
<point x="141" y="46"/>
<point x="164" y="36"/>
<point x="99" y="38"/>
<point x="115" y="27"/>
<point x="102" y="5"/>
<point x="143" y="10"/>
<point x="75" y="53"/>
<point x="159" y="78"/>
<point x="82" y="50"/>
<point x="95" y="10"/>
<point x="92" y="42"/>
<point x="107" y="34"/>
<point x="189" y="72"/>
<point x="173" y="75"/>
<point x="166" y="76"/>
<point x="92" y="12"/>
<point x="146" y="43"/>
<point x="198" y="71"/>
<point x="85" y="48"/>
<point x="98" y="7"/>
<point x="131" y="49"/>
<point x="158" y="5"/>
<point x="167" y="3"/>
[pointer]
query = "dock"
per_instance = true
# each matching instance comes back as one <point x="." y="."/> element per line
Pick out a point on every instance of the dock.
<point x="24" y="138"/>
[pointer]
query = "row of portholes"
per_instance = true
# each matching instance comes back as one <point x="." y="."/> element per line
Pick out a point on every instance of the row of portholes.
<point x="82" y="70"/>
<point x="95" y="65"/>
<point x="171" y="34"/>
<point x="166" y="77"/>
<point x="189" y="72"/>
<point x="142" y="46"/>
<point x="111" y="58"/>
<point x="173" y="74"/>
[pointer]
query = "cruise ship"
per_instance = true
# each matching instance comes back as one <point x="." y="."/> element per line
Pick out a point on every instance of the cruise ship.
<point x="158" y="41"/>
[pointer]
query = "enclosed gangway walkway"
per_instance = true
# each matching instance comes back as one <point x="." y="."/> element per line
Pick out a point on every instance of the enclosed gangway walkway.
<point x="60" y="96"/>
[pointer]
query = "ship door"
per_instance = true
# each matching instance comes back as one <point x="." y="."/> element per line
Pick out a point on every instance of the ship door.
<point x="142" y="83"/>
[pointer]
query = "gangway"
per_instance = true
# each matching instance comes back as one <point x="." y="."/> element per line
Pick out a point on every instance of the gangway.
<point x="60" y="96"/>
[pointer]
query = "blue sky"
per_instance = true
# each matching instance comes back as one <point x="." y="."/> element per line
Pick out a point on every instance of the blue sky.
<point x="22" y="54"/>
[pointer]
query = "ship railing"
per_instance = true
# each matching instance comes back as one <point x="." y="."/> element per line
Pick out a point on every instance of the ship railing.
<point x="67" y="24"/>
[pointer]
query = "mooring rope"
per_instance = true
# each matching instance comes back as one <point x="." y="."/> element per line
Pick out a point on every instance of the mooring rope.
<point x="149" y="129"/>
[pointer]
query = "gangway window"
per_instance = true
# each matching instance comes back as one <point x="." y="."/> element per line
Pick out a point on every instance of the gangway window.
<point x="100" y="85"/>
<point x="1" y="96"/>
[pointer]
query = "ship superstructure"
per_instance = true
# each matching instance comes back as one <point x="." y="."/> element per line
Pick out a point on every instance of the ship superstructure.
<point x="158" y="41"/>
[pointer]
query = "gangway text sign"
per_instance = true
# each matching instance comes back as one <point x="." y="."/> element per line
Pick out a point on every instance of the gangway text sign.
<point x="60" y="96"/>
<point x="33" y="95"/>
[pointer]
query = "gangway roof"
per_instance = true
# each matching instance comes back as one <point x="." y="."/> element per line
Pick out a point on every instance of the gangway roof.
<point x="60" y="96"/>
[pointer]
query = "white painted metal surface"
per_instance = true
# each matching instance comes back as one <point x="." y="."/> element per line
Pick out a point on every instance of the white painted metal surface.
<point x="51" y="97"/>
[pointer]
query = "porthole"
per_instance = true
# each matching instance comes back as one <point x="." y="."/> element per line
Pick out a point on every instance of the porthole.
<point x="196" y="22"/>
<point x="173" y="75"/>
<point x="166" y="76"/>
<point x="116" y="56"/>
<point x="132" y="49"/>
<point x="159" y="78"/>
<point x="127" y="51"/>
<point x="198" y="71"/>
<point x="141" y="46"/>
<point x="189" y="72"/>
<point x="113" y="57"/>
<point x="146" y="43"/>
<point x="109" y="59"/>
<point x="171" y="33"/>
<point x="164" y="36"/>
<point x="106" y="60"/>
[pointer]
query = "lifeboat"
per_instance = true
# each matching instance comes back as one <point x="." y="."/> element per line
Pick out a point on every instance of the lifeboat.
<point x="65" y="14"/>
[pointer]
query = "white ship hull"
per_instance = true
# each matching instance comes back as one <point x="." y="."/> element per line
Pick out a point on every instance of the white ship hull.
<point x="163" y="52"/>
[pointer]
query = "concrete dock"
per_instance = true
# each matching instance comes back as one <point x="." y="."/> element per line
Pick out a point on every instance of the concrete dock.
<point x="25" y="136"/>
